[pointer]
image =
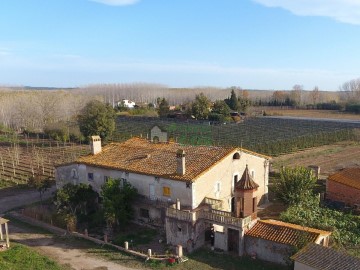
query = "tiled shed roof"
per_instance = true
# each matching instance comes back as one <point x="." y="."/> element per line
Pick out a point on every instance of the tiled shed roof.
<point x="158" y="159"/>
<point x="348" y="176"/>
<point x="284" y="233"/>
<point x="323" y="258"/>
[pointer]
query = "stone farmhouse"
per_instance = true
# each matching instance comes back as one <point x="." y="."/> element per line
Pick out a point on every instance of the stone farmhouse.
<point x="344" y="187"/>
<point x="198" y="194"/>
<point x="187" y="189"/>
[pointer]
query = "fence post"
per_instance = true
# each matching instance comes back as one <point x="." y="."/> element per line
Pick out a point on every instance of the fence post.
<point x="126" y="245"/>
<point x="149" y="253"/>
<point x="179" y="251"/>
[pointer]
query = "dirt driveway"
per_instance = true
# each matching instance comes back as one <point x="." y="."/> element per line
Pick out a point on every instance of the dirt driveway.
<point x="61" y="250"/>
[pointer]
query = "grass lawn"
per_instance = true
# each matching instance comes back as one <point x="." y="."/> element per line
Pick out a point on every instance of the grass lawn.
<point x="145" y="236"/>
<point x="20" y="257"/>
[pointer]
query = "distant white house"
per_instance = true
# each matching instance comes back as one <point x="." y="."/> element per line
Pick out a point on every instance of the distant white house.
<point x="126" y="103"/>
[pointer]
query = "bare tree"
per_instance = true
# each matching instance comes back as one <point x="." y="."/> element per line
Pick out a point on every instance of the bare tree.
<point x="352" y="90"/>
<point x="315" y="95"/>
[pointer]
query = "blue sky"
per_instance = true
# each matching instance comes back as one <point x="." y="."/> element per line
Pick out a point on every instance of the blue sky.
<point x="254" y="44"/>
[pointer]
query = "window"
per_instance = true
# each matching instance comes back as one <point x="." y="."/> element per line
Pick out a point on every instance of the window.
<point x="74" y="174"/>
<point x="235" y="180"/>
<point x="254" y="205"/>
<point x="106" y="178"/>
<point x="90" y="176"/>
<point x="124" y="181"/>
<point x="144" y="213"/>
<point x="241" y="204"/>
<point x="236" y="156"/>
<point x="166" y="191"/>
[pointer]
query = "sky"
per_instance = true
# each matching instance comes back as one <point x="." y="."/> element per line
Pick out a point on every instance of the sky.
<point x="253" y="44"/>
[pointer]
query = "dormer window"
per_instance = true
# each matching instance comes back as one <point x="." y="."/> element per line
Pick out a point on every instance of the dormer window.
<point x="236" y="156"/>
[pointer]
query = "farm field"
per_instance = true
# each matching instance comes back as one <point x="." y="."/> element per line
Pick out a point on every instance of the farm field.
<point x="310" y="113"/>
<point x="269" y="136"/>
<point x="330" y="158"/>
<point x="21" y="159"/>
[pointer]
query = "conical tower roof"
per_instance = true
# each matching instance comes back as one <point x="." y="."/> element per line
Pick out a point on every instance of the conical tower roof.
<point x="246" y="182"/>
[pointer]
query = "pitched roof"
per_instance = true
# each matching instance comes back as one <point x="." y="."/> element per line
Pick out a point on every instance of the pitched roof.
<point x="246" y="182"/>
<point x="158" y="159"/>
<point x="323" y="258"/>
<point x="348" y="176"/>
<point x="284" y="233"/>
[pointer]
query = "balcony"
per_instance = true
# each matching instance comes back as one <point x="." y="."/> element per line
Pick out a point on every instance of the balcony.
<point x="156" y="202"/>
<point x="214" y="216"/>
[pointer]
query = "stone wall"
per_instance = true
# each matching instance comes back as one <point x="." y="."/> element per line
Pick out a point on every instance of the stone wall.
<point x="268" y="250"/>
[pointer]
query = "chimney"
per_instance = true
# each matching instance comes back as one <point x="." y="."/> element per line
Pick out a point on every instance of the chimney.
<point x="95" y="144"/>
<point x="180" y="162"/>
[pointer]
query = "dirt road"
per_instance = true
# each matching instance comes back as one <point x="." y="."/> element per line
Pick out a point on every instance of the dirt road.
<point x="62" y="250"/>
<point x="12" y="198"/>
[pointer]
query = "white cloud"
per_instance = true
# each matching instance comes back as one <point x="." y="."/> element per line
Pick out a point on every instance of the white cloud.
<point x="116" y="2"/>
<point x="346" y="11"/>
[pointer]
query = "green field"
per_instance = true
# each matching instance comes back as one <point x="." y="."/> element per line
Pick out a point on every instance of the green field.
<point x="20" y="257"/>
<point x="269" y="136"/>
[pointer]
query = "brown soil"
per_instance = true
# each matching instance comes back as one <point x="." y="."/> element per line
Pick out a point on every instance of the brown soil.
<point x="330" y="158"/>
<point x="311" y="113"/>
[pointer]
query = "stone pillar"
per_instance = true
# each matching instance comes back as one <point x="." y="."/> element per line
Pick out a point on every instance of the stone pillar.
<point x="7" y="236"/>
<point x="126" y="245"/>
<point x="177" y="204"/>
<point x="179" y="251"/>
<point x="1" y="233"/>
<point x="149" y="253"/>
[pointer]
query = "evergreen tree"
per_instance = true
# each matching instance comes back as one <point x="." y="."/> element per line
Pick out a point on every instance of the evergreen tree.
<point x="164" y="108"/>
<point x="232" y="102"/>
<point x="200" y="107"/>
<point x="97" y="118"/>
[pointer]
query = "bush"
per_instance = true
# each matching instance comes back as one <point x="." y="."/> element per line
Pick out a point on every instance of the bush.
<point x="354" y="108"/>
<point x="345" y="227"/>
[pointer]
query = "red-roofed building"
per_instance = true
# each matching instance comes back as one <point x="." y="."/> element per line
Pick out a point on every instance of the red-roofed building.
<point x="187" y="189"/>
<point x="275" y="241"/>
<point x="344" y="186"/>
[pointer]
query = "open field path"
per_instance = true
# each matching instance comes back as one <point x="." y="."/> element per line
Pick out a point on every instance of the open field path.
<point x="64" y="250"/>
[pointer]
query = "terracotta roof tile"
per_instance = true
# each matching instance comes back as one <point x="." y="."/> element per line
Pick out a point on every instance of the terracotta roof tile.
<point x="349" y="177"/>
<point x="158" y="159"/>
<point x="283" y="232"/>
<point x="323" y="258"/>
